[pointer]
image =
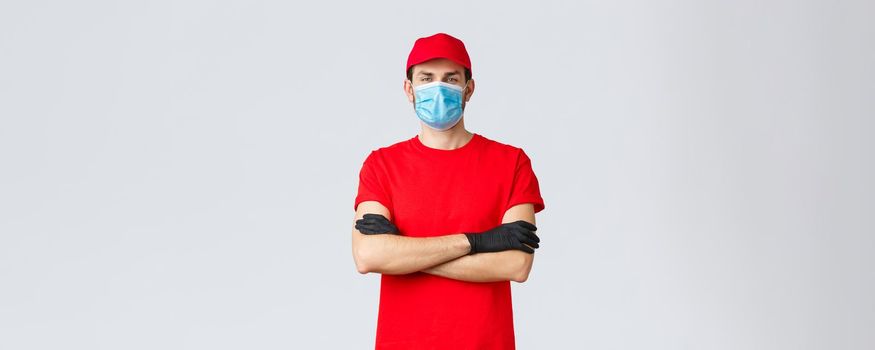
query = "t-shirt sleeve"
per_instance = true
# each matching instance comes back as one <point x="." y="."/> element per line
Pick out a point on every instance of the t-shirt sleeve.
<point x="372" y="186"/>
<point x="525" y="187"/>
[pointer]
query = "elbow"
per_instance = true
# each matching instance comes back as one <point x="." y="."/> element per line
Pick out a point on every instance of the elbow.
<point x="520" y="276"/>
<point x="361" y="268"/>
<point x="361" y="264"/>
<point x="521" y="273"/>
<point x="364" y="257"/>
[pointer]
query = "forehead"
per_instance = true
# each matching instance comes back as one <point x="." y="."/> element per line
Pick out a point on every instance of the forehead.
<point x="438" y="66"/>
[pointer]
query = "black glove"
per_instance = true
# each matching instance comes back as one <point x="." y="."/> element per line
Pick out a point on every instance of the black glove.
<point x="372" y="224"/>
<point x="507" y="236"/>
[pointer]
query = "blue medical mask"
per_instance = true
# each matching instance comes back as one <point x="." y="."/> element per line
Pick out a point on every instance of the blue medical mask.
<point x="438" y="104"/>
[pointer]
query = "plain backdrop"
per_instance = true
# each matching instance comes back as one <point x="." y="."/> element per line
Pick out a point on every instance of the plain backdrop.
<point x="181" y="174"/>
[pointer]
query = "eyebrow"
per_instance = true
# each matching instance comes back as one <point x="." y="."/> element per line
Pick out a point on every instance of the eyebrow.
<point x="445" y="74"/>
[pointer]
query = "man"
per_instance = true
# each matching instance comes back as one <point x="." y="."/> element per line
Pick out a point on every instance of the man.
<point x="447" y="217"/>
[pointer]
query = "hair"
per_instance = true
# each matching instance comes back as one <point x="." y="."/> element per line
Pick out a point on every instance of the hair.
<point x="410" y="73"/>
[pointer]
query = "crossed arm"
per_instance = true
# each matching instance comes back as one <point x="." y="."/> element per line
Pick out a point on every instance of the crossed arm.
<point x="442" y="255"/>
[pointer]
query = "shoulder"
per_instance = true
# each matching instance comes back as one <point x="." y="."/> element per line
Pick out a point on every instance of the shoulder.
<point x="498" y="144"/>
<point x="502" y="148"/>
<point x="381" y="153"/>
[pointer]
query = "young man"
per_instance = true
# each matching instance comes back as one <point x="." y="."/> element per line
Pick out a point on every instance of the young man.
<point x="447" y="217"/>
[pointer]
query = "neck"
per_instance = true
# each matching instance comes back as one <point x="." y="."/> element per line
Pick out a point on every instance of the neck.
<point x="449" y="139"/>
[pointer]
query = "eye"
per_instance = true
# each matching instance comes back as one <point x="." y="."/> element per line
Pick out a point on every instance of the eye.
<point x="425" y="79"/>
<point x="453" y="79"/>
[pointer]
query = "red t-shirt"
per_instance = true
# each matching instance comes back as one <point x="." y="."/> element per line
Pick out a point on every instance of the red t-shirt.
<point x="433" y="192"/>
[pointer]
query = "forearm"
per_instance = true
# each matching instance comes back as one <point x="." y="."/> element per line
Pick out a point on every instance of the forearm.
<point x="509" y="265"/>
<point x="395" y="254"/>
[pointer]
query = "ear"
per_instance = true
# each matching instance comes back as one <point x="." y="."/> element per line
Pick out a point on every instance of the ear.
<point x="408" y="90"/>
<point x="470" y="90"/>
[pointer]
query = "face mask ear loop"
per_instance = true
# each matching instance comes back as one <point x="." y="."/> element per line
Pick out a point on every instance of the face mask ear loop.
<point x="465" y="92"/>
<point x="413" y="90"/>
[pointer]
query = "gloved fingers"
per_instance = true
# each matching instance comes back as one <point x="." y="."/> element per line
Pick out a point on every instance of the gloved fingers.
<point x="522" y="224"/>
<point x="372" y="216"/>
<point x="369" y="230"/>
<point x="530" y="242"/>
<point x="389" y="226"/>
<point x="527" y="237"/>
<point x="526" y="234"/>
<point x="378" y="227"/>
<point x="526" y="249"/>
<point x="366" y="222"/>
<point x="514" y="224"/>
<point x="534" y="236"/>
<point x="370" y="223"/>
<point x="377" y="232"/>
<point x="375" y="220"/>
<point x="526" y="225"/>
<point x="367" y="227"/>
<point x="360" y="224"/>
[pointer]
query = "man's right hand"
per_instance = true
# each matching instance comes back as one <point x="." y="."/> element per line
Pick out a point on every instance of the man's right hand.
<point x="507" y="236"/>
<point x="373" y="224"/>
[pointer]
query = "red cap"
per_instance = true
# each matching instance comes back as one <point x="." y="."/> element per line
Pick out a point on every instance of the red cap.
<point x="440" y="45"/>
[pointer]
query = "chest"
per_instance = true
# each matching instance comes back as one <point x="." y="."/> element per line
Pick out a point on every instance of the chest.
<point x="438" y="198"/>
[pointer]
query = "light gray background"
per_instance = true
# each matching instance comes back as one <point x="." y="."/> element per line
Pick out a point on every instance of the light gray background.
<point x="181" y="174"/>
